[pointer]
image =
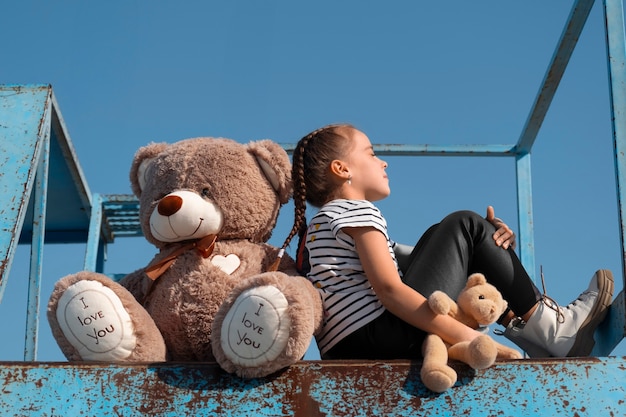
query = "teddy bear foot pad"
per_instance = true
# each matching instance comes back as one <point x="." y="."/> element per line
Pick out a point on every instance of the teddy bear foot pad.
<point x="95" y="322"/>
<point x="256" y="329"/>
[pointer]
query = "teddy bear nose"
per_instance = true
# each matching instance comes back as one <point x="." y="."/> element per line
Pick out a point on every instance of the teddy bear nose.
<point x="169" y="205"/>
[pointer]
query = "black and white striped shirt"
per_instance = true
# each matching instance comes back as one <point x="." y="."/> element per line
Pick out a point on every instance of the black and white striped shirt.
<point x="336" y="271"/>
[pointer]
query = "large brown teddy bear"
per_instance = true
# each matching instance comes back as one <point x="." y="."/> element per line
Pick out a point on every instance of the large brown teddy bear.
<point x="479" y="304"/>
<point x="212" y="292"/>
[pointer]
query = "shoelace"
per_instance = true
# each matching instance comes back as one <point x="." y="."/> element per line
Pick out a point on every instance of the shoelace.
<point x="553" y="305"/>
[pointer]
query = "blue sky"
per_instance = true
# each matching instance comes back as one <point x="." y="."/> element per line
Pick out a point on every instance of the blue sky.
<point x="126" y="73"/>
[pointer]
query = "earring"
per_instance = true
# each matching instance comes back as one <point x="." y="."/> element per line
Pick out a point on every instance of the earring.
<point x="350" y="180"/>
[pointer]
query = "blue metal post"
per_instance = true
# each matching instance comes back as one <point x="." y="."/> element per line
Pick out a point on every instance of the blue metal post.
<point x="94" y="255"/>
<point x="614" y="327"/>
<point x="616" y="54"/>
<point x="526" y="240"/>
<point x="37" y="245"/>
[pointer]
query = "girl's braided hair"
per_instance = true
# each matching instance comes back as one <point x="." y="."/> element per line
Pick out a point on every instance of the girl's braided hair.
<point x="310" y="171"/>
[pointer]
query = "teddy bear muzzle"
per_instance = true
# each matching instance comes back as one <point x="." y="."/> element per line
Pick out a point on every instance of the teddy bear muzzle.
<point x="184" y="215"/>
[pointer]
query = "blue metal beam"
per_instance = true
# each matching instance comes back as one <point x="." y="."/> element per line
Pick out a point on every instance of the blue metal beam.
<point x="573" y="28"/>
<point x="434" y="150"/>
<point x="564" y="387"/>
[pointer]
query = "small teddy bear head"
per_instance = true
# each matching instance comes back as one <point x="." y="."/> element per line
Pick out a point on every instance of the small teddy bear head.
<point x="481" y="300"/>
<point x="210" y="186"/>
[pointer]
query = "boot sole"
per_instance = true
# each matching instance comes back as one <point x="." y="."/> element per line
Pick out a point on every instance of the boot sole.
<point x="584" y="343"/>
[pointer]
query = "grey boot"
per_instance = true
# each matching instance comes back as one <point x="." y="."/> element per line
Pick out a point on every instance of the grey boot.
<point x="564" y="331"/>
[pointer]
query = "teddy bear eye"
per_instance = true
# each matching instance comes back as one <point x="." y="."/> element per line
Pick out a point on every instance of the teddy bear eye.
<point x="481" y="297"/>
<point x="205" y="192"/>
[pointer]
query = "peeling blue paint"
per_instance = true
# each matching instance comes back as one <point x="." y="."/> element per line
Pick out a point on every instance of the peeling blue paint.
<point x="566" y="387"/>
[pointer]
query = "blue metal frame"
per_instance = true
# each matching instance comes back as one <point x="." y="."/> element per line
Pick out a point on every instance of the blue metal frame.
<point x="99" y="232"/>
<point x="34" y="144"/>
<point x="31" y="132"/>
<point x="35" y="138"/>
<point x="20" y="150"/>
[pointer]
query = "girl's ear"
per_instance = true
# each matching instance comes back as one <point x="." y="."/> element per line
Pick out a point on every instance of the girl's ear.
<point x="340" y="169"/>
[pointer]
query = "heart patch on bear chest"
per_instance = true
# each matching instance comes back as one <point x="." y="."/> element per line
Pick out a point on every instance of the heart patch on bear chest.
<point x="228" y="264"/>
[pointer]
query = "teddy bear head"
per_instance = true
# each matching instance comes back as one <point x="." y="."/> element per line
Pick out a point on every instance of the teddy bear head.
<point x="210" y="186"/>
<point x="481" y="300"/>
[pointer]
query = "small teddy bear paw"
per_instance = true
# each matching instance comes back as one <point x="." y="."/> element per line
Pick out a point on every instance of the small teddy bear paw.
<point x="482" y="352"/>
<point x="95" y="322"/>
<point x="439" y="379"/>
<point x="255" y="331"/>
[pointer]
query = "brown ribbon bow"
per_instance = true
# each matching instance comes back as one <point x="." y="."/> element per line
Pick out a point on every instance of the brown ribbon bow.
<point x="204" y="246"/>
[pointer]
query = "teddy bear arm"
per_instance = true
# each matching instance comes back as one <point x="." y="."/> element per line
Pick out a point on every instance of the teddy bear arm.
<point x="441" y="303"/>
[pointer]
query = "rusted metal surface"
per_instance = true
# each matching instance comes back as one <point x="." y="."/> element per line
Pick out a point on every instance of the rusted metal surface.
<point x="567" y="387"/>
<point x="24" y="123"/>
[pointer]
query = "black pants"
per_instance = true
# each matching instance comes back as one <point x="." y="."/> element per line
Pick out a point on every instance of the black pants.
<point x="443" y="258"/>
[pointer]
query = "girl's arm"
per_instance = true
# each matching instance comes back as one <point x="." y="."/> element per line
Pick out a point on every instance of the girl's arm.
<point x="395" y="295"/>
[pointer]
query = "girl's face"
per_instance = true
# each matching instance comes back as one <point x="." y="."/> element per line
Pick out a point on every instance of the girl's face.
<point x="368" y="180"/>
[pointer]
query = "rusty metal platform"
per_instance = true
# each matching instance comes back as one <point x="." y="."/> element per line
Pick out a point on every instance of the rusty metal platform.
<point x="563" y="387"/>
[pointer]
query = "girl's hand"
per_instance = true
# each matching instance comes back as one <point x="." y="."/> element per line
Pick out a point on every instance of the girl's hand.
<point x="504" y="236"/>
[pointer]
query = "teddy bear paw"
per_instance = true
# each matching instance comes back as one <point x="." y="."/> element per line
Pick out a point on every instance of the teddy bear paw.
<point x="95" y="322"/>
<point x="482" y="352"/>
<point x="255" y="331"/>
<point x="439" y="379"/>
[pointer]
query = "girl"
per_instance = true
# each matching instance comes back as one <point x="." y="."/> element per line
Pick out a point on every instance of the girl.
<point x="377" y="310"/>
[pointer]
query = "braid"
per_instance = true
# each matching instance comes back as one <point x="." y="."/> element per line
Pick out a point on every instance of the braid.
<point x="299" y="189"/>
<point x="311" y="158"/>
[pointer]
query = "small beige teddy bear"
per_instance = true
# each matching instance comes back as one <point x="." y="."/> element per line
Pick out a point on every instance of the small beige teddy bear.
<point x="479" y="304"/>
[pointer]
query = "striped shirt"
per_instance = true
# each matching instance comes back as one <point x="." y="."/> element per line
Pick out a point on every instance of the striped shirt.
<point x="336" y="271"/>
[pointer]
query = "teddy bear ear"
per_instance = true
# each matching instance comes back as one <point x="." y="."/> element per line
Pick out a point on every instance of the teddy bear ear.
<point x="476" y="279"/>
<point x="139" y="168"/>
<point x="274" y="163"/>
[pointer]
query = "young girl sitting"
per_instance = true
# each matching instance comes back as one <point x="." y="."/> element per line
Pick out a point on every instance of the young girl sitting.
<point x="377" y="310"/>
